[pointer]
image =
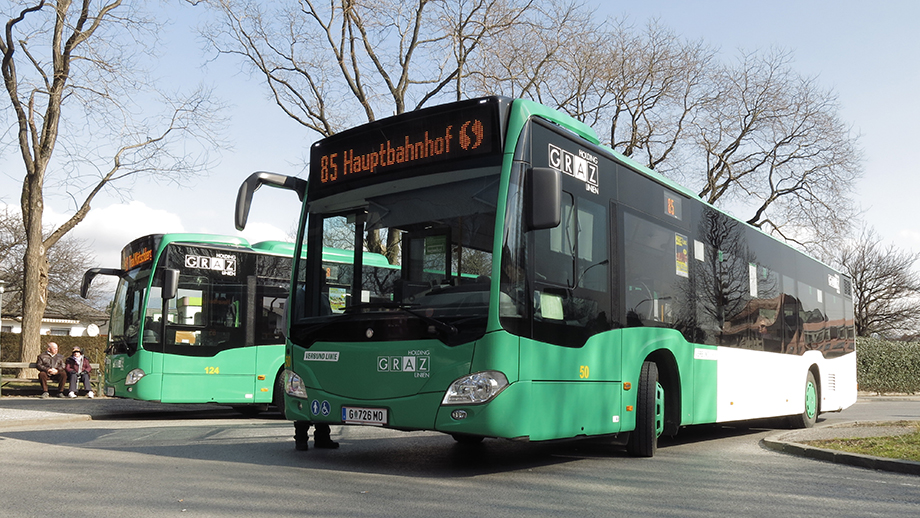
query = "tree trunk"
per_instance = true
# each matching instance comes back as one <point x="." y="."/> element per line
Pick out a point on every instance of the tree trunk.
<point x="34" y="300"/>
<point x="35" y="269"/>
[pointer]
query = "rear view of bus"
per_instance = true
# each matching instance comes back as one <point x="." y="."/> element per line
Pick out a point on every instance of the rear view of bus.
<point x="540" y="286"/>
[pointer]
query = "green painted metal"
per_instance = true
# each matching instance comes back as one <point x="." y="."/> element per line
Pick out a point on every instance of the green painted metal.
<point x="811" y="400"/>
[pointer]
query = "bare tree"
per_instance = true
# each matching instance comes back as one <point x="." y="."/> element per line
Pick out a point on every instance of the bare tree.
<point x="754" y="137"/>
<point x="332" y="65"/>
<point x="773" y="140"/>
<point x="532" y="57"/>
<point x="885" y="285"/>
<point x="647" y="86"/>
<point x="74" y="82"/>
<point x="66" y="264"/>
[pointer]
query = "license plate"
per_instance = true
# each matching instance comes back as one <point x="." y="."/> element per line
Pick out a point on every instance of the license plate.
<point x="371" y="416"/>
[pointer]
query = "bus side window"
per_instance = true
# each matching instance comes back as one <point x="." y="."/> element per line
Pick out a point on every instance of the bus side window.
<point x="571" y="278"/>
<point x="555" y="260"/>
<point x="657" y="277"/>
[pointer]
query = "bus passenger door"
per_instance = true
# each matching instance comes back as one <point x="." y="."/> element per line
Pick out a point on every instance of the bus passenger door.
<point x="207" y="359"/>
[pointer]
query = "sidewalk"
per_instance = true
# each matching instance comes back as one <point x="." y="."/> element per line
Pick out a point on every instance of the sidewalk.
<point x="792" y="442"/>
<point x="18" y="411"/>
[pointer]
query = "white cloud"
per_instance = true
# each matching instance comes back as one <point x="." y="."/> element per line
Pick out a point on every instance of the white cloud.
<point x="108" y="229"/>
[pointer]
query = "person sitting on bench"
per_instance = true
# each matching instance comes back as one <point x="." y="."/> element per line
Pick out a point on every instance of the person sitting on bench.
<point x="78" y="368"/>
<point x="50" y="366"/>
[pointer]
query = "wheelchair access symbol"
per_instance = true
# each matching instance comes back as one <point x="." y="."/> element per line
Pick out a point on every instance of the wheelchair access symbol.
<point x="318" y="408"/>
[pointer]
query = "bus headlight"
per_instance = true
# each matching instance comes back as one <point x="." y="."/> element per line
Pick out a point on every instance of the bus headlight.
<point x="134" y="376"/>
<point x="293" y="385"/>
<point x="479" y="387"/>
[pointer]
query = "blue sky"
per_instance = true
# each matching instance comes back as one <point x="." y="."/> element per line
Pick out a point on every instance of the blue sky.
<point x="866" y="52"/>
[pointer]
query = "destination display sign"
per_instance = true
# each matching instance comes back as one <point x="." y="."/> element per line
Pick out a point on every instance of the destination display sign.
<point x="139" y="252"/>
<point x="431" y="140"/>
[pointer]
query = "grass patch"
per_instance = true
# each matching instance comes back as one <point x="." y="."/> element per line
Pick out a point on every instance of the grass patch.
<point x="903" y="446"/>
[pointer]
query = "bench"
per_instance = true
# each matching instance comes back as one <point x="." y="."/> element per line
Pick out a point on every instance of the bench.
<point x="95" y="377"/>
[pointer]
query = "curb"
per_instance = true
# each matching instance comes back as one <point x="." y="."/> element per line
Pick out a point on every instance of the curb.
<point x="777" y="443"/>
<point x="26" y="422"/>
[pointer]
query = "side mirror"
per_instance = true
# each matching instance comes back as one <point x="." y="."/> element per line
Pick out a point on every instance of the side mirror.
<point x="252" y="184"/>
<point x="543" y="204"/>
<point x="92" y="273"/>
<point x="170" y="283"/>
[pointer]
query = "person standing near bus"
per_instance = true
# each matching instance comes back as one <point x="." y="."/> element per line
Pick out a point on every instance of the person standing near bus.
<point x="50" y="365"/>
<point x="321" y="436"/>
<point x="78" y="369"/>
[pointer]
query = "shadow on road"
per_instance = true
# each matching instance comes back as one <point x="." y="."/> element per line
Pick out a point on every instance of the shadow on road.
<point x="220" y="434"/>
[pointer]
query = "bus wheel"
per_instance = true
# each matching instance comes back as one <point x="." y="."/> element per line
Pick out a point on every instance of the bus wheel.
<point x="463" y="438"/>
<point x="808" y="418"/>
<point x="278" y="394"/>
<point x="643" y="441"/>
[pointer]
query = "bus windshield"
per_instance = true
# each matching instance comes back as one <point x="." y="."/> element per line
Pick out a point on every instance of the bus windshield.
<point x="438" y="239"/>
<point x="127" y="311"/>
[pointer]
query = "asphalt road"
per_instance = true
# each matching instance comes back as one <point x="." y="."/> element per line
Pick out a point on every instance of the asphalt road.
<point x="179" y="461"/>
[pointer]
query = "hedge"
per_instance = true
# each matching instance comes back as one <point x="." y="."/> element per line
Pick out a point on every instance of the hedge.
<point x="887" y="367"/>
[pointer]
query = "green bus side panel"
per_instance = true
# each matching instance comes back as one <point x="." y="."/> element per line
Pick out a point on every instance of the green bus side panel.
<point x="705" y="386"/>
<point x="598" y="360"/>
<point x="269" y="362"/>
<point x="225" y="378"/>
<point x="149" y="388"/>
<point x="572" y="409"/>
<point x="497" y="351"/>
<point x="540" y="411"/>
<point x="199" y="388"/>
<point x="688" y="363"/>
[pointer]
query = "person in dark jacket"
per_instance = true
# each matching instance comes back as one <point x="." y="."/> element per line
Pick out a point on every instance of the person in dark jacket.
<point x="78" y="369"/>
<point x="50" y="365"/>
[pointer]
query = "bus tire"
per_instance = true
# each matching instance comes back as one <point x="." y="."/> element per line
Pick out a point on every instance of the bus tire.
<point x="809" y="417"/>
<point x="278" y="394"/>
<point x="643" y="441"/>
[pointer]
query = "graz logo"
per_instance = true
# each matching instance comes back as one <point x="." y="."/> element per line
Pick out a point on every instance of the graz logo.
<point x="414" y="364"/>
<point x="582" y="166"/>
<point x="223" y="263"/>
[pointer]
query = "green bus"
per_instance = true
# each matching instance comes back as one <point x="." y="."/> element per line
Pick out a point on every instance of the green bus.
<point x="224" y="330"/>
<point x="548" y="288"/>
